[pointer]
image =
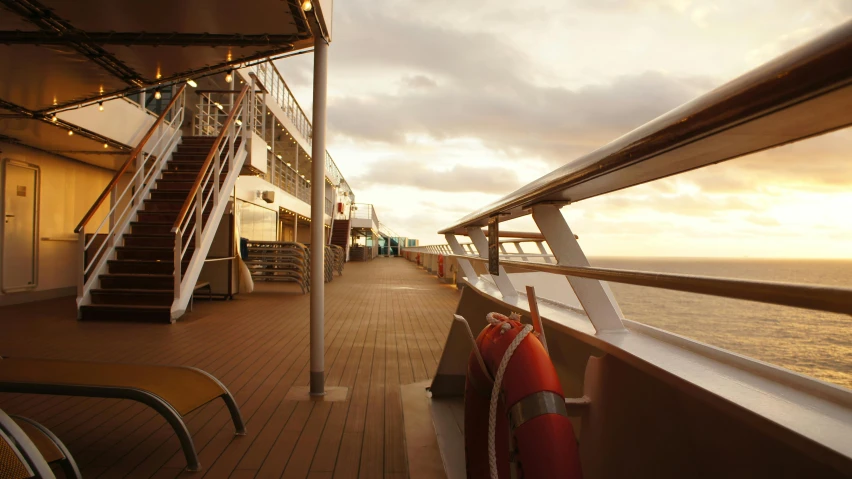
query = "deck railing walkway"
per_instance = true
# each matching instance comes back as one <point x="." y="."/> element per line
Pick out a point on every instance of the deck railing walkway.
<point x="385" y="326"/>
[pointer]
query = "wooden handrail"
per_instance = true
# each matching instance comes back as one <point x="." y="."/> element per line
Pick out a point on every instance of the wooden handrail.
<point x="213" y="151"/>
<point x="817" y="297"/>
<point x="133" y="154"/>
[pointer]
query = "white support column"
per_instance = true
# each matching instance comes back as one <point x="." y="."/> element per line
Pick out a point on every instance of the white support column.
<point x="595" y="296"/>
<point x="502" y="280"/>
<point x="317" y="223"/>
<point x="466" y="267"/>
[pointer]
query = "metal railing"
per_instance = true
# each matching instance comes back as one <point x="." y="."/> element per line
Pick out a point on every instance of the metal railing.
<point x="206" y="191"/>
<point x="799" y="95"/>
<point x="149" y="161"/>
<point x="363" y="211"/>
<point x="277" y="88"/>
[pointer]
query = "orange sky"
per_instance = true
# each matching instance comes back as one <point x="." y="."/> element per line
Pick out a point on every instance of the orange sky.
<point x="437" y="109"/>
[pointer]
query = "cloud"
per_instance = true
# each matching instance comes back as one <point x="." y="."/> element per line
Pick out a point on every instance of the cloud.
<point x="556" y="124"/>
<point x="456" y="179"/>
<point x="418" y="82"/>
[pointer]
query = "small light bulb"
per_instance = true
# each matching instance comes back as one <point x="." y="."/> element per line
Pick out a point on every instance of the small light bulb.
<point x="70" y="132"/>
<point x="157" y="94"/>
<point x="54" y="119"/>
<point x="106" y="146"/>
<point x="191" y="83"/>
<point x="100" y="106"/>
<point x="307" y="5"/>
<point x="228" y="77"/>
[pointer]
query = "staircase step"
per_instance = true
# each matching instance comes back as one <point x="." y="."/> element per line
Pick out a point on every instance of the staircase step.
<point x="136" y="281"/>
<point x="143" y="266"/>
<point x="155" y="297"/>
<point x="164" y="240"/>
<point x="136" y="313"/>
<point x="187" y="177"/>
<point x="161" y="216"/>
<point x="156" y="229"/>
<point x="152" y="205"/>
<point x="149" y="252"/>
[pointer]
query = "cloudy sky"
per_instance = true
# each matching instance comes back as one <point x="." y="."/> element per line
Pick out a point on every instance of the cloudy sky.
<point x="438" y="107"/>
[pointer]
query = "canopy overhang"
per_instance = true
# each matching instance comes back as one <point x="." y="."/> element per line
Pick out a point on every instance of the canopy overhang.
<point x="56" y="55"/>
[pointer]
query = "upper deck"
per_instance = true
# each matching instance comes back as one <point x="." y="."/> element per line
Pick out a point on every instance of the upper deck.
<point x="385" y="326"/>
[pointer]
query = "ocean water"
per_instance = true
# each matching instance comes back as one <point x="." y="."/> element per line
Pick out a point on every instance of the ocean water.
<point x="810" y="342"/>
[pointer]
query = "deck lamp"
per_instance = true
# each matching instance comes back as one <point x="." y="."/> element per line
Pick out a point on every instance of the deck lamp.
<point x="100" y="106"/>
<point x="157" y="94"/>
<point x="307" y="6"/>
<point x="228" y="77"/>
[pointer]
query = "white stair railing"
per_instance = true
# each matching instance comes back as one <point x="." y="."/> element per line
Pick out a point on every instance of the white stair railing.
<point x="149" y="157"/>
<point x="209" y="194"/>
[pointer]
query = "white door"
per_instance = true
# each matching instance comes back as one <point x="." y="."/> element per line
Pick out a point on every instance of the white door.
<point x="20" y="226"/>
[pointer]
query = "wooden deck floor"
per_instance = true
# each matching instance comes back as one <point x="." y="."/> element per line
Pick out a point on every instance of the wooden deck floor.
<point x="386" y="322"/>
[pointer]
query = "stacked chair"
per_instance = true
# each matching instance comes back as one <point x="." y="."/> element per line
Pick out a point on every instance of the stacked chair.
<point x="339" y="258"/>
<point x="284" y="261"/>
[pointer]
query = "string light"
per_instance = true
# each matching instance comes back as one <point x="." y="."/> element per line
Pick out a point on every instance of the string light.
<point x="100" y="106"/>
<point x="191" y="83"/>
<point x="54" y="119"/>
<point x="106" y="146"/>
<point x="70" y="132"/>
<point x="307" y="5"/>
<point x="157" y="94"/>
<point x="228" y="77"/>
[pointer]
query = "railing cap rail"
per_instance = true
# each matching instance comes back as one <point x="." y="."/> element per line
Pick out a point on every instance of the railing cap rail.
<point x="232" y="116"/>
<point x="133" y="154"/>
<point x="800" y="94"/>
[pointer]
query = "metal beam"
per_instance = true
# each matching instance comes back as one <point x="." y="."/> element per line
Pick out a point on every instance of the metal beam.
<point x="72" y="38"/>
<point x="42" y="17"/>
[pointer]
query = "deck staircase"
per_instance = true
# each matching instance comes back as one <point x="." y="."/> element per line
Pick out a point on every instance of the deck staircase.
<point x="167" y="216"/>
<point x="139" y="282"/>
<point x="340" y="232"/>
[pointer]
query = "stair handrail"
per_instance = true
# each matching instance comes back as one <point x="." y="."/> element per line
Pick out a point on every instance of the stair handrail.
<point x="232" y="128"/>
<point x="134" y="193"/>
<point x="133" y="154"/>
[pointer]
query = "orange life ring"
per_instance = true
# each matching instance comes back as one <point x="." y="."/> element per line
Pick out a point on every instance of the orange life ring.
<point x="531" y="398"/>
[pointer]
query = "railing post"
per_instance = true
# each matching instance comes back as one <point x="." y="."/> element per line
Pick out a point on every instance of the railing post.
<point x="595" y="296"/>
<point x="178" y="261"/>
<point x="502" y="280"/>
<point x="199" y="212"/>
<point x="540" y="244"/>
<point x="466" y="267"/>
<point x="81" y="259"/>
<point x="112" y="198"/>
<point x="521" y="250"/>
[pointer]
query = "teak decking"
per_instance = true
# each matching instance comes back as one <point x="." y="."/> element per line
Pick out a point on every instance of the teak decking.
<point x="386" y="322"/>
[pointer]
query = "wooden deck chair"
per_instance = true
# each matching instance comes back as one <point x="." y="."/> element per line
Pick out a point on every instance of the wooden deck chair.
<point x="20" y="458"/>
<point x="171" y="391"/>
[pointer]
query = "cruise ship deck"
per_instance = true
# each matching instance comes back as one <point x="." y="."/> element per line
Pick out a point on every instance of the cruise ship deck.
<point x="386" y="321"/>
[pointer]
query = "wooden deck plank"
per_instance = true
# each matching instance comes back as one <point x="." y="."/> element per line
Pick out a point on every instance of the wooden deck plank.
<point x="385" y="325"/>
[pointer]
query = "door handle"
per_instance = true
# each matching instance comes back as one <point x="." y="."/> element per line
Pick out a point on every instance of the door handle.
<point x="10" y="216"/>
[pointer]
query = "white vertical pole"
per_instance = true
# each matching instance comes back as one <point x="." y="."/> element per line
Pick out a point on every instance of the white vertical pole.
<point x="317" y="223"/>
